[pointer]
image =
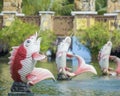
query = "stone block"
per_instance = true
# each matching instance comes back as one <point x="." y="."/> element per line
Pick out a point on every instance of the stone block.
<point x="9" y="9"/>
<point x="6" y="4"/>
<point x="20" y="94"/>
<point x="6" y="0"/>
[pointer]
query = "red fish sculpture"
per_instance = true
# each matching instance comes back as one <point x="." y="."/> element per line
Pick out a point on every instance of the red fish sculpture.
<point x="65" y="73"/>
<point x="22" y="64"/>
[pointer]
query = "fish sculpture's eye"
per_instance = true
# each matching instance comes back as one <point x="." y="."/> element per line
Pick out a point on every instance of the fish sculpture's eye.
<point x="28" y="41"/>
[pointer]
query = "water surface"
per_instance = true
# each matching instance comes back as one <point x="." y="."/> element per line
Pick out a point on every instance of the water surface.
<point x="85" y="84"/>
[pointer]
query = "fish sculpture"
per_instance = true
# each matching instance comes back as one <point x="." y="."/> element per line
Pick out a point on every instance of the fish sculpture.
<point x="117" y="61"/>
<point x="103" y="57"/>
<point x="65" y="73"/>
<point x="22" y="65"/>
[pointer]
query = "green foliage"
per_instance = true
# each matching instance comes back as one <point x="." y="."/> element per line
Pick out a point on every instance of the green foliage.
<point x="61" y="7"/>
<point x="31" y="7"/>
<point x="96" y="36"/>
<point x="1" y="5"/>
<point x="100" y="4"/>
<point x="102" y="11"/>
<point x="65" y="7"/>
<point x="48" y="38"/>
<point x="19" y="31"/>
<point x="115" y="39"/>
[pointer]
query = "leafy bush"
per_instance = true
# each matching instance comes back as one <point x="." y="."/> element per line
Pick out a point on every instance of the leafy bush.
<point x="48" y="38"/>
<point x="96" y="36"/>
<point x="19" y="31"/>
<point x="32" y="7"/>
<point x="102" y="11"/>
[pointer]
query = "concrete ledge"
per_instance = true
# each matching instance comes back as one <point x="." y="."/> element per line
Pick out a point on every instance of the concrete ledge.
<point x="117" y="11"/>
<point x="46" y="12"/>
<point x="110" y="14"/>
<point x="1" y="14"/>
<point x="20" y="94"/>
<point x="20" y="14"/>
<point x="9" y="12"/>
<point x="83" y="13"/>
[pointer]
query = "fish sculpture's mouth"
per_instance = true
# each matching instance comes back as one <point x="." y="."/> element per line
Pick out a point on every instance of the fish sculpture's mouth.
<point x="37" y="38"/>
<point x="109" y="43"/>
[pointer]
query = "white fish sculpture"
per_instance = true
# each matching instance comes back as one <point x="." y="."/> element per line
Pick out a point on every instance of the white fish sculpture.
<point x="64" y="73"/>
<point x="103" y="57"/>
<point x="22" y="64"/>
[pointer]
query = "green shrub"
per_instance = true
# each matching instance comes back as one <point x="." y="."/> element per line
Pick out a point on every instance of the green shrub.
<point x="48" y="38"/>
<point x="96" y="36"/>
<point x="101" y="12"/>
<point x="19" y="31"/>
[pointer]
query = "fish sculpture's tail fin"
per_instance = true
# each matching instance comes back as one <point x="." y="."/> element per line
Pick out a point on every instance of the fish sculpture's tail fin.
<point x="82" y="66"/>
<point x="39" y="74"/>
<point x="117" y="61"/>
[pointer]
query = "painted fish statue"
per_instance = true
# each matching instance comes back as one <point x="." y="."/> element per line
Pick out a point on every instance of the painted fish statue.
<point x="116" y="59"/>
<point x="103" y="57"/>
<point x="65" y="73"/>
<point x="22" y="65"/>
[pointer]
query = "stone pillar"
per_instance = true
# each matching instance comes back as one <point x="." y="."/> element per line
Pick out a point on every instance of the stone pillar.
<point x="11" y="8"/>
<point x="83" y="19"/>
<point x="46" y="20"/>
<point x="84" y="5"/>
<point x="83" y="8"/>
<point x="113" y="9"/>
<point x="113" y="5"/>
<point x="112" y="22"/>
<point x="9" y="16"/>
